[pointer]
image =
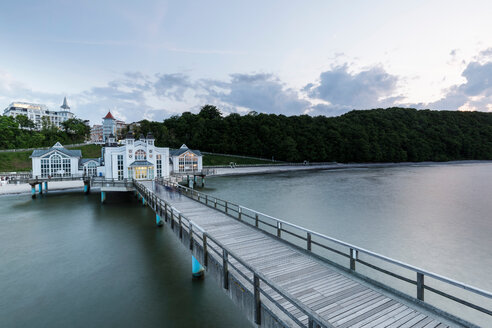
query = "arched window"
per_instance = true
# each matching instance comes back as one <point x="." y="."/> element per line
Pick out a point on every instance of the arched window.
<point x="55" y="165"/>
<point x="91" y="169"/>
<point x="140" y="155"/>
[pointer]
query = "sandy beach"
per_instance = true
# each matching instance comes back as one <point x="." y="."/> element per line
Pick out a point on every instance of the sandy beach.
<point x="23" y="188"/>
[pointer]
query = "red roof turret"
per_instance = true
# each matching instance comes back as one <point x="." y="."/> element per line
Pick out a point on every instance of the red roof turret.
<point x="109" y="115"/>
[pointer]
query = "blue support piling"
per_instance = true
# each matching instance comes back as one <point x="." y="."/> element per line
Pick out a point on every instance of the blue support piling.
<point x="158" y="221"/>
<point x="196" y="268"/>
<point x="103" y="196"/>
<point x="85" y="189"/>
<point x="41" y="188"/>
<point x="143" y="201"/>
<point x="33" y="191"/>
<point x="46" y="186"/>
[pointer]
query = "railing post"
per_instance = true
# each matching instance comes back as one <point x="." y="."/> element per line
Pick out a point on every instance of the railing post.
<point x="239" y="212"/>
<point x="226" y="207"/>
<point x="206" y="199"/>
<point x="191" y="235"/>
<point x="215" y="202"/>
<point x="225" y="268"/>
<point x="165" y="211"/>
<point x="205" y="257"/>
<point x="309" y="241"/>
<point x="180" y="227"/>
<point x="420" y="286"/>
<point x="256" y="220"/>
<point x="256" y="285"/>
<point x="279" y="229"/>
<point x="353" y="257"/>
<point x="172" y="219"/>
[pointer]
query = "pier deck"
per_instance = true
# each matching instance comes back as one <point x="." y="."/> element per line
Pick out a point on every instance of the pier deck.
<point x="296" y="289"/>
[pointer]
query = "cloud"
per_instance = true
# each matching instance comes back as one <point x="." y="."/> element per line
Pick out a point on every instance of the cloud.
<point x="343" y="90"/>
<point x="259" y="92"/>
<point x="172" y="85"/>
<point x="474" y="94"/>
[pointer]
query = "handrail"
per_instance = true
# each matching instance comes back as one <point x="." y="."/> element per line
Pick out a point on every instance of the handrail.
<point x="354" y="250"/>
<point x="314" y="319"/>
<point x="380" y="256"/>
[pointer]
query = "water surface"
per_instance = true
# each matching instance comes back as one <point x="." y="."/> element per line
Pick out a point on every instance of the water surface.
<point x="67" y="261"/>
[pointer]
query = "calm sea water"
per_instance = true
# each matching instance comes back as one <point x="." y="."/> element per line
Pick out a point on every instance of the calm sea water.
<point x="65" y="260"/>
<point x="437" y="217"/>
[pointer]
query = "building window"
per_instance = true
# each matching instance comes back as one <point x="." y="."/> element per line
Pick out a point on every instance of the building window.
<point x="45" y="167"/>
<point x="159" y="165"/>
<point x="130" y="173"/>
<point x="55" y="166"/>
<point x="188" y="162"/>
<point x="91" y="169"/>
<point x="140" y="172"/>
<point x="140" y="155"/>
<point x="66" y="167"/>
<point x="120" y="167"/>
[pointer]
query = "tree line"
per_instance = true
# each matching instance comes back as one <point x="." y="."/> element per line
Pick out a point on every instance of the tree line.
<point x="377" y="135"/>
<point x="21" y="132"/>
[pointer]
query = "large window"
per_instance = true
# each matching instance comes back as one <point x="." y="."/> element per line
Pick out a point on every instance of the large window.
<point x="140" y="172"/>
<point x="45" y="167"/>
<point x="188" y="162"/>
<point x="56" y="166"/>
<point x="91" y="169"/>
<point x="140" y="155"/>
<point x="159" y="165"/>
<point x="120" y="167"/>
<point x="66" y="167"/>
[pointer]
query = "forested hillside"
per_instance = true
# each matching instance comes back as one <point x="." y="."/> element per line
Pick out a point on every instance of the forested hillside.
<point x="18" y="132"/>
<point x="378" y="135"/>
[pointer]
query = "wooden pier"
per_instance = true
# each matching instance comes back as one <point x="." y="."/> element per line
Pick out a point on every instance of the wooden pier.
<point x="281" y="274"/>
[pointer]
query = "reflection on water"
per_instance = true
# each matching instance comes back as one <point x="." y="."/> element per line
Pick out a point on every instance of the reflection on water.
<point x="67" y="261"/>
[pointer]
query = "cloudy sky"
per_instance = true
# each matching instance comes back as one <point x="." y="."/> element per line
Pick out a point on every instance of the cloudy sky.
<point x="152" y="59"/>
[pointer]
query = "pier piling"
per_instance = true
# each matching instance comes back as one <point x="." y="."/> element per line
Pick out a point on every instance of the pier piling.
<point x="197" y="269"/>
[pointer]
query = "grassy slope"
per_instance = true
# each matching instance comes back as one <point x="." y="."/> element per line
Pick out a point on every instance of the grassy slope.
<point x="16" y="162"/>
<point x="20" y="161"/>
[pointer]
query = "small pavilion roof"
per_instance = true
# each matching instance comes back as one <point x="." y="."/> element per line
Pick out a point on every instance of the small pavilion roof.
<point x="141" y="163"/>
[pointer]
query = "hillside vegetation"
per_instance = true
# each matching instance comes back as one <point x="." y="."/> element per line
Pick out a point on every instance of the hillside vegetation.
<point x="377" y="135"/>
<point x="20" y="161"/>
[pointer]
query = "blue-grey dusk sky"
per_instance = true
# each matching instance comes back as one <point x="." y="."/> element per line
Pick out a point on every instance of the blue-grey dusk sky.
<point x="153" y="59"/>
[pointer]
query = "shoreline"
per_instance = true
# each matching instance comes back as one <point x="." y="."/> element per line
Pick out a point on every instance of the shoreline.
<point x="265" y="169"/>
<point x="25" y="188"/>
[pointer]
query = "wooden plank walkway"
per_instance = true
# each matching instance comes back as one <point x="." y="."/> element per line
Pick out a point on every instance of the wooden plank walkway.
<point x="336" y="296"/>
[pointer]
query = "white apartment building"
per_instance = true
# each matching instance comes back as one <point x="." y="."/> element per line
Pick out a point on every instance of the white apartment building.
<point x="36" y="112"/>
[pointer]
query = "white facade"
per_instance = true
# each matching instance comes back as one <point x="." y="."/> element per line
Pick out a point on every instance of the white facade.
<point x="55" y="162"/>
<point x="136" y="159"/>
<point x="36" y="112"/>
<point x="185" y="160"/>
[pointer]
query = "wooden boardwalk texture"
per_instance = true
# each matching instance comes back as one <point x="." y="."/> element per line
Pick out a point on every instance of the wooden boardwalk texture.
<point x="336" y="296"/>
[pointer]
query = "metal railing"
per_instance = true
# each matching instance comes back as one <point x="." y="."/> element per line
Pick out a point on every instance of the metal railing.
<point x="102" y="182"/>
<point x="310" y="238"/>
<point x="261" y="286"/>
